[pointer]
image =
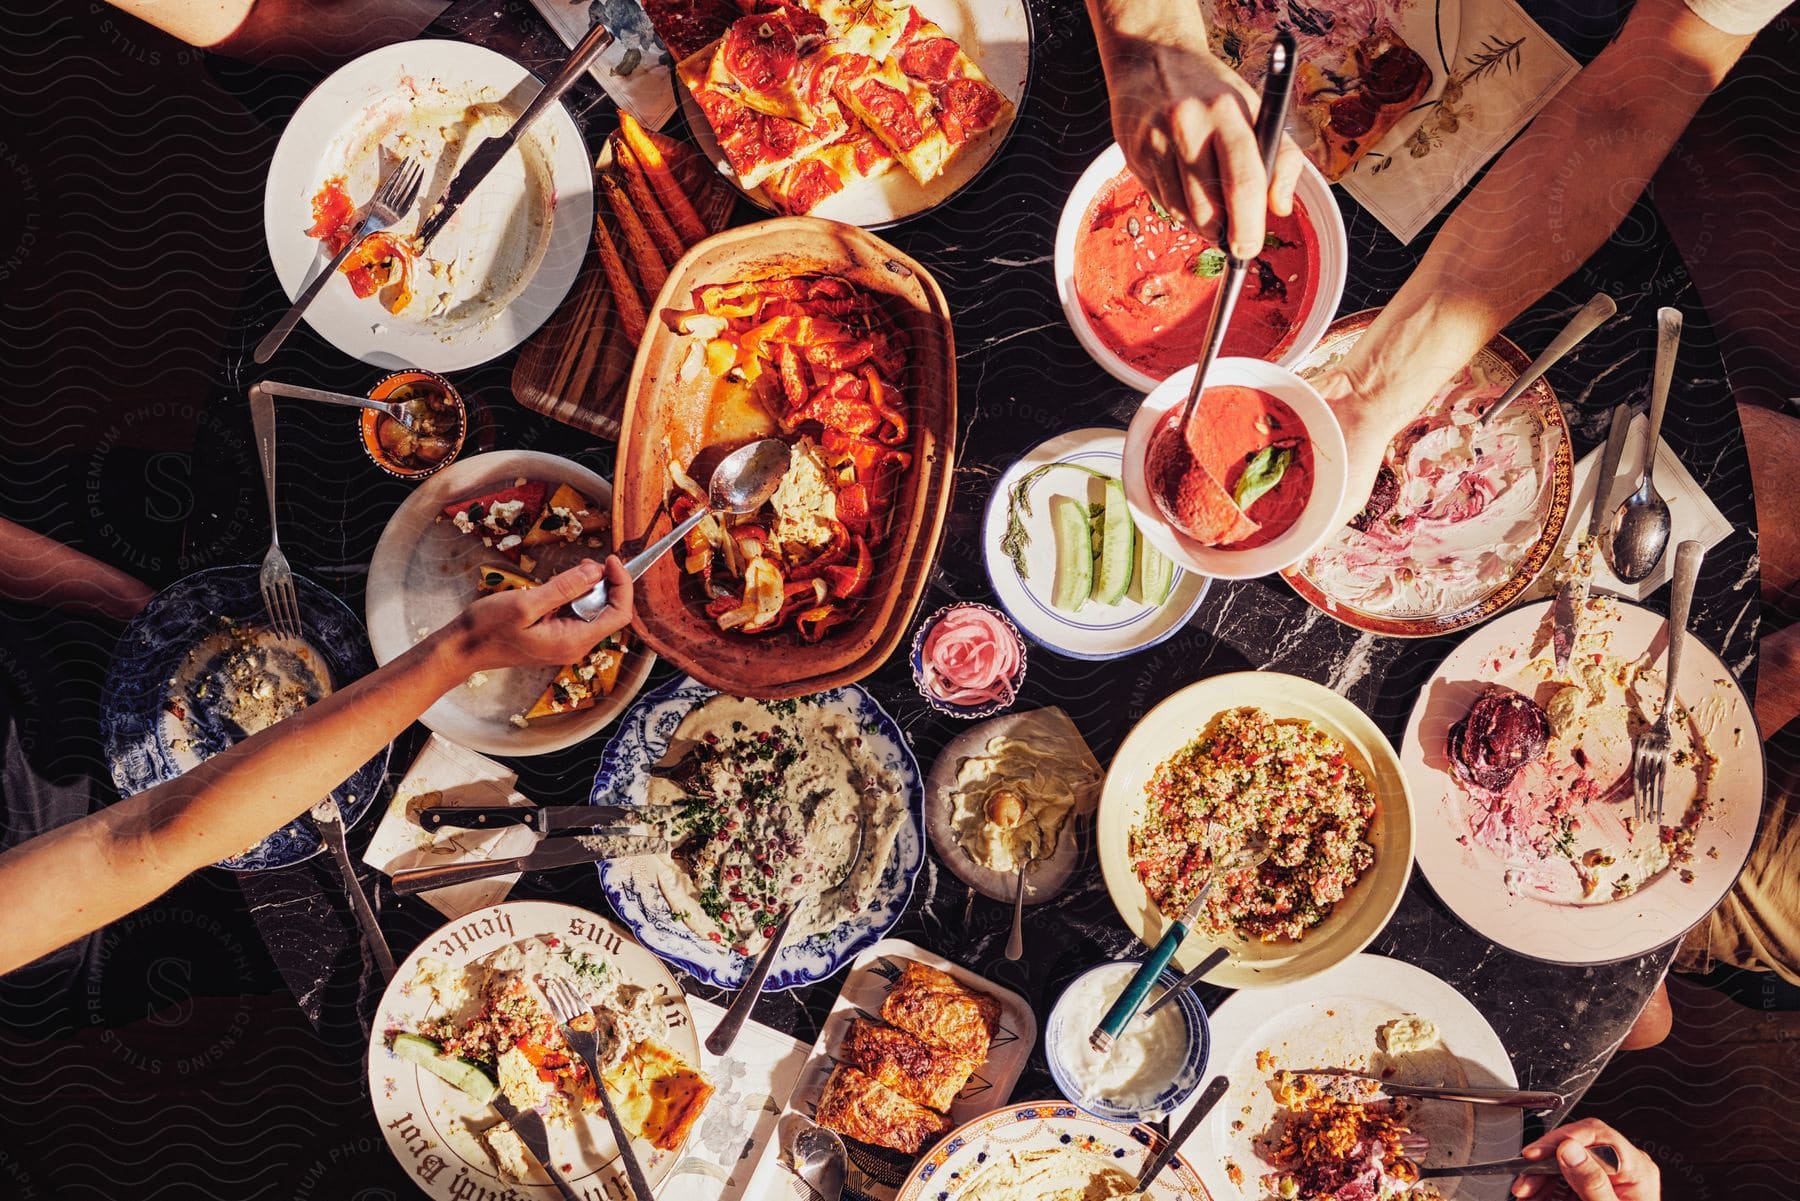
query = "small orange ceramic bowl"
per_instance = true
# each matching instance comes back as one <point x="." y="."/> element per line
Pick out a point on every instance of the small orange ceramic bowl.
<point x="441" y="422"/>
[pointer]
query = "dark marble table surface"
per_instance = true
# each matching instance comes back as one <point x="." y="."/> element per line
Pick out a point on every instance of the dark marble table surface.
<point x="1022" y="377"/>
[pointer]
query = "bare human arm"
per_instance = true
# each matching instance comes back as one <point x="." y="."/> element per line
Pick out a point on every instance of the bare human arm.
<point x="42" y="571"/>
<point x="127" y="855"/>
<point x="1551" y="200"/>
<point x="1185" y="120"/>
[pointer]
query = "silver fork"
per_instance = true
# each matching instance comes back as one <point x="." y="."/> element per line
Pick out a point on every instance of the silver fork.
<point x="1650" y="751"/>
<point x="280" y="600"/>
<point x="391" y="201"/>
<point x="396" y="412"/>
<point x="568" y="1006"/>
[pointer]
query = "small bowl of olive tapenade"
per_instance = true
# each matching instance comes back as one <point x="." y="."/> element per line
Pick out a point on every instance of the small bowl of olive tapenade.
<point x="439" y="423"/>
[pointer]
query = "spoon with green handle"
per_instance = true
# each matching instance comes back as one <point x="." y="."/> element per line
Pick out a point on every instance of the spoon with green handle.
<point x="1126" y="1007"/>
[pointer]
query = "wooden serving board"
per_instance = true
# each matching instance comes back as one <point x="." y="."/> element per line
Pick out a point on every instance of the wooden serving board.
<point x="575" y="368"/>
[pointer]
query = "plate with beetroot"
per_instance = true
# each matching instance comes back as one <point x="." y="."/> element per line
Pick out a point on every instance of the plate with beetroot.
<point x="1521" y="780"/>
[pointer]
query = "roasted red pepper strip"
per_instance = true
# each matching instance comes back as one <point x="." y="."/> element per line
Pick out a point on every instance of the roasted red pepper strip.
<point x="847" y="582"/>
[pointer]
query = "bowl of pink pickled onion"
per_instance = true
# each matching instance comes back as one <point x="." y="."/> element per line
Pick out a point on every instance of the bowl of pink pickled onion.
<point x="968" y="660"/>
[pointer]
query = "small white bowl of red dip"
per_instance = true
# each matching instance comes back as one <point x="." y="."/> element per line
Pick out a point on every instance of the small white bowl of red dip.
<point x="1137" y="286"/>
<point x="1254" y="486"/>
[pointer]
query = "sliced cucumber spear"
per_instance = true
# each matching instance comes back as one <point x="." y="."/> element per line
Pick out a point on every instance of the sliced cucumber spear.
<point x="1118" y="540"/>
<point x="1074" y="553"/>
<point x="1156" y="573"/>
<point x="465" y="1074"/>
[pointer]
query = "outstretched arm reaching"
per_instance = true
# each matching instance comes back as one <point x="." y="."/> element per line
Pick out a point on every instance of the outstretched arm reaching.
<point x="1550" y="201"/>
<point x="127" y="855"/>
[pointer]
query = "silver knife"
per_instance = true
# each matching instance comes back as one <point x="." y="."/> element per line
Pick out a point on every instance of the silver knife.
<point x="564" y="852"/>
<point x="1346" y="1085"/>
<point x="492" y="150"/>
<point x="1189" y="1124"/>
<point x="1571" y="594"/>
<point x="549" y="820"/>
<point x="528" y="1124"/>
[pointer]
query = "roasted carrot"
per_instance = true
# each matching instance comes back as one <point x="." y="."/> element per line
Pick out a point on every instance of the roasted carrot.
<point x="624" y="292"/>
<point x="667" y="240"/>
<point x="651" y="270"/>
<point x="668" y="189"/>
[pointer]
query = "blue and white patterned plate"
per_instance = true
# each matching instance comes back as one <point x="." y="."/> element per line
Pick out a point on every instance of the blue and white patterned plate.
<point x="151" y="650"/>
<point x="642" y="738"/>
<point x="1037" y="1128"/>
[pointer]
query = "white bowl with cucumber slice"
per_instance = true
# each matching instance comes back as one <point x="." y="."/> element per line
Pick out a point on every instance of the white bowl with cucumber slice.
<point x="1066" y="559"/>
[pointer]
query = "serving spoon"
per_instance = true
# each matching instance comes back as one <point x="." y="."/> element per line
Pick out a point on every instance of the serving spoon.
<point x="1639" y="531"/>
<point x="1590" y="317"/>
<point x="1271" y="116"/>
<point x="743" y="482"/>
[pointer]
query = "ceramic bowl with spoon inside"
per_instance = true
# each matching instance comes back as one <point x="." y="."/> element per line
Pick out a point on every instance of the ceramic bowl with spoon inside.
<point x="1315" y="515"/>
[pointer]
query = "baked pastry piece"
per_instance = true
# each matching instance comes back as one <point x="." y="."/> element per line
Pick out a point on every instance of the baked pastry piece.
<point x="658" y="1094"/>
<point x="933" y="1007"/>
<point x="1343" y="113"/>
<point x="906" y="1065"/>
<point x="860" y="1107"/>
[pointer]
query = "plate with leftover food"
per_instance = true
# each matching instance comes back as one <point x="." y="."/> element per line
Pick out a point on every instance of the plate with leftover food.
<point x="1247" y="754"/>
<point x="1047" y="1149"/>
<point x="811" y="802"/>
<point x="493" y="274"/>
<point x="861" y="111"/>
<point x="1281" y="1132"/>
<point x="1464" y="516"/>
<point x="1015" y="791"/>
<point x="1523" y="784"/>
<point x="465" y="1022"/>
<point x="199" y="670"/>
<point x="913" y="1045"/>
<point x="1137" y="286"/>
<point x="1067" y="560"/>
<point x="824" y="336"/>
<point x="503" y="520"/>
<point x="1368" y="73"/>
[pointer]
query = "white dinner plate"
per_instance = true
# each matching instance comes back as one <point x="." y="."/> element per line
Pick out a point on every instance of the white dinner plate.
<point x="1094" y="631"/>
<point x="997" y="35"/>
<point x="1330" y="1021"/>
<point x="511" y="252"/>
<point x="423" y="574"/>
<point x="1514" y="650"/>
<point x="426" y="1119"/>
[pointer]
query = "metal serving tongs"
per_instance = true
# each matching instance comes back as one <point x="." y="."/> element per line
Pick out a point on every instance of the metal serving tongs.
<point x="1271" y="117"/>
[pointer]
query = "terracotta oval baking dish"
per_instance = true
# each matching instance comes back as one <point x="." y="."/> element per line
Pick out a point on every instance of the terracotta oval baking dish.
<point x="665" y="417"/>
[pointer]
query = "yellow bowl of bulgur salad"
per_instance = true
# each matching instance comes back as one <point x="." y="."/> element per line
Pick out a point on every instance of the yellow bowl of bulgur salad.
<point x="1246" y="754"/>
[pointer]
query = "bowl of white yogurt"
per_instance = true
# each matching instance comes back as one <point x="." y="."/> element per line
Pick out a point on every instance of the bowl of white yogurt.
<point x="1154" y="1065"/>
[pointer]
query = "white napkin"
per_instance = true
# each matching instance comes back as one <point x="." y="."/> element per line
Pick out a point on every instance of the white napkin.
<point x="635" y="69"/>
<point x="1481" y="109"/>
<point x="734" y="1151"/>
<point x="448" y="774"/>
<point x="1691" y="515"/>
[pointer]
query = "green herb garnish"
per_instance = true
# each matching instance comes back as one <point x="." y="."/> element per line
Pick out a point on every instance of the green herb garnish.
<point x="1018" y="508"/>
<point x="712" y="901"/>
<point x="1263" y="473"/>
<point x="1209" y="263"/>
<point x="1274" y="241"/>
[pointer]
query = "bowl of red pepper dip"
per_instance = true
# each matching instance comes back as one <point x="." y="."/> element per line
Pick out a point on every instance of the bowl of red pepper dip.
<point x="1137" y="285"/>
<point x="1252" y="486"/>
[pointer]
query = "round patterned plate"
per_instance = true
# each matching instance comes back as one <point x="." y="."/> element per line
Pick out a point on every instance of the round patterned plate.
<point x="1501" y="362"/>
<point x="430" y="1125"/>
<point x="642" y="738"/>
<point x="1040" y="1134"/>
<point x="140" y="735"/>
